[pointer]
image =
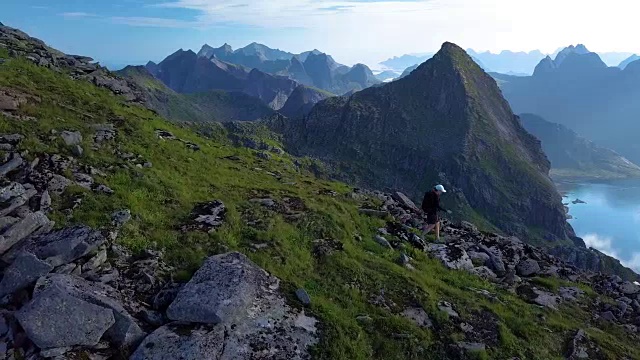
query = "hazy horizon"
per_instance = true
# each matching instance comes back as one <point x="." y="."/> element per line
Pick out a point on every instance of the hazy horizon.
<point x="352" y="31"/>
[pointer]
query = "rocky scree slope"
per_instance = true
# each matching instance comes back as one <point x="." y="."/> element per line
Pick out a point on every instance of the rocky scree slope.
<point x="147" y="212"/>
<point x="444" y="123"/>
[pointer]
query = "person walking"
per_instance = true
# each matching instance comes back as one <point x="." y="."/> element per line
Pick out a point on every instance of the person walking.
<point x="431" y="206"/>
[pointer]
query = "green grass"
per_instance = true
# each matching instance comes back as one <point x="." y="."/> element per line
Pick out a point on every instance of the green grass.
<point x="341" y="285"/>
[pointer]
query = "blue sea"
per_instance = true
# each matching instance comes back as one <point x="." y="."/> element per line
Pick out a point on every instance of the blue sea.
<point x="609" y="220"/>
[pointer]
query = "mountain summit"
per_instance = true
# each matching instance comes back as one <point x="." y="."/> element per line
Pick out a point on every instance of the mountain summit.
<point x="446" y="122"/>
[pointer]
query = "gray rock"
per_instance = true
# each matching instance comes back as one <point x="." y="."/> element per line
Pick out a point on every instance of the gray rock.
<point x="152" y="317"/>
<point x="448" y="309"/>
<point x="222" y="290"/>
<point x="22" y="229"/>
<point x="484" y="272"/>
<point x="95" y="261"/>
<point x="570" y="293"/>
<point x="418" y="316"/>
<point x="468" y="226"/>
<point x="539" y="297"/>
<point x="104" y="189"/>
<point x="169" y="342"/>
<point x="629" y="288"/>
<point x="478" y="258"/>
<point x="404" y="259"/>
<point x="119" y="218"/>
<point x="11" y="191"/>
<point x="451" y="256"/>
<point x="77" y="150"/>
<point x="45" y="201"/>
<point x="62" y="246"/>
<point x="264" y="202"/>
<point x="24" y="271"/>
<point x="11" y="165"/>
<point x="17" y="201"/>
<point x="4" y="327"/>
<point x="382" y="241"/>
<point x="54" y="319"/>
<point x="472" y="347"/>
<point x="84" y="180"/>
<point x="164" y="298"/>
<point x="304" y="298"/>
<point x="364" y="319"/>
<point x="263" y="155"/>
<point x="124" y="332"/>
<point x="230" y="290"/>
<point x="55" y="352"/>
<point x="71" y="138"/>
<point x="495" y="260"/>
<point x="608" y="316"/>
<point x="622" y="308"/>
<point x="58" y="184"/>
<point x="528" y="267"/>
<point x="6" y="222"/>
<point x="405" y="201"/>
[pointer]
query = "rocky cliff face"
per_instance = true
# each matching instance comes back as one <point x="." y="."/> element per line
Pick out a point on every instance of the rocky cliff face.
<point x="302" y="100"/>
<point x="445" y="122"/>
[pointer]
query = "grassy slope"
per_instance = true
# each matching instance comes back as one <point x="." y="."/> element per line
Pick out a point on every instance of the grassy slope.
<point x="340" y="284"/>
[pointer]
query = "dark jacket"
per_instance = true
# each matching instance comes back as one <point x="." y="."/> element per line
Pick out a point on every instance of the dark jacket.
<point x="431" y="202"/>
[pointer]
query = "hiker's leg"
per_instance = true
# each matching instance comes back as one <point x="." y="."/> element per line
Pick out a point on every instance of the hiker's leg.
<point x="438" y="230"/>
<point x="427" y="229"/>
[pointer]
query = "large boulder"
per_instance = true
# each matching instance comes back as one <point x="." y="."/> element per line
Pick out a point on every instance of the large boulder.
<point x="629" y="288"/>
<point x="55" y="319"/>
<point x="22" y="229"/>
<point x="24" y="271"/>
<point x="71" y="138"/>
<point x="528" y="267"/>
<point x="171" y="341"/>
<point x="405" y="201"/>
<point x="451" y="256"/>
<point x="223" y="289"/>
<point x="60" y="247"/>
<point x="244" y="316"/>
<point x="123" y="332"/>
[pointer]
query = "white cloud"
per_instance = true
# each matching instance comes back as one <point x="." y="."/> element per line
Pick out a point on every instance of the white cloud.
<point x="603" y="244"/>
<point x="369" y="31"/>
<point x="152" y="22"/>
<point x="606" y="245"/>
<point x="76" y="14"/>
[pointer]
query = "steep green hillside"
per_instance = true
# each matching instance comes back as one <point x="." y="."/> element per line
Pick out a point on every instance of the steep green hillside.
<point x="197" y="107"/>
<point x="306" y="231"/>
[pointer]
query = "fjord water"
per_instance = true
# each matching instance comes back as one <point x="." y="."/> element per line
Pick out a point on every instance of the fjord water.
<point x="610" y="219"/>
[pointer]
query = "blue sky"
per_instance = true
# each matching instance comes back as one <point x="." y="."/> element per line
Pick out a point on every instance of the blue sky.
<point x="368" y="31"/>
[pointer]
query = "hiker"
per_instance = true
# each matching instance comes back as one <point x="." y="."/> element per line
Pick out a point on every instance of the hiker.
<point x="431" y="206"/>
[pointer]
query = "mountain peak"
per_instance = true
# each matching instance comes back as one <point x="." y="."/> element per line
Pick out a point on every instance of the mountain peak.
<point x="578" y="49"/>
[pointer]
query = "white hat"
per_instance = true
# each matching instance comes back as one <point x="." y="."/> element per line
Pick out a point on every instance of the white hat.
<point x="441" y="188"/>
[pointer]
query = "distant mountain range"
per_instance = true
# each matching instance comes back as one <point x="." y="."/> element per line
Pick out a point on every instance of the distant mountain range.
<point x="505" y="62"/>
<point x="312" y="68"/>
<point x="576" y="157"/>
<point x="578" y="90"/>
